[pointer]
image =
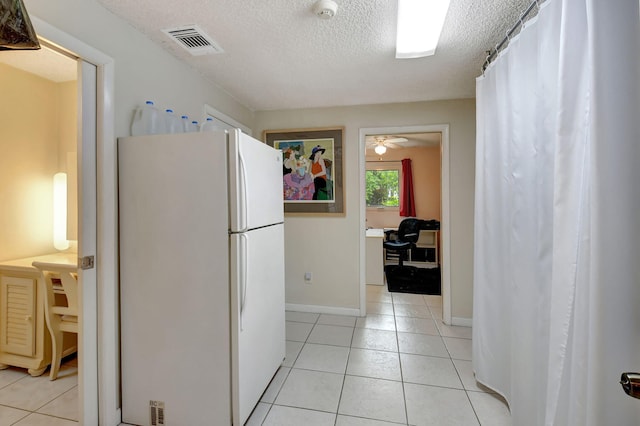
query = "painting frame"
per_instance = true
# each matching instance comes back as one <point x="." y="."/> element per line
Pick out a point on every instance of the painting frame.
<point x="301" y="145"/>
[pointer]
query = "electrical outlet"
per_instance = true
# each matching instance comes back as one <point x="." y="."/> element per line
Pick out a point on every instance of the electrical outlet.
<point x="308" y="277"/>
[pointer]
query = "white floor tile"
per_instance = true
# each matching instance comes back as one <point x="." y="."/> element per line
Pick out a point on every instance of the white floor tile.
<point x="64" y="406"/>
<point x="375" y="364"/>
<point x="9" y="416"/>
<point x="453" y="330"/>
<point x="342" y="320"/>
<point x="359" y="421"/>
<point x="436" y="312"/>
<point x="458" y="348"/>
<point x="258" y="415"/>
<point x="31" y="393"/>
<point x="430" y="405"/>
<point x="290" y="416"/>
<point x="408" y="299"/>
<point x="274" y="387"/>
<point x="378" y="297"/>
<point x="379" y="308"/>
<point x="331" y="335"/>
<point x="491" y="409"/>
<point x="331" y="359"/>
<point x="298" y="331"/>
<point x="382" y="340"/>
<point x="11" y="375"/>
<point x="378" y="322"/>
<point x="301" y="316"/>
<point x="432" y="300"/>
<point x="417" y="325"/>
<point x="42" y="420"/>
<point x="465" y="371"/>
<point x="428" y="370"/>
<point x="293" y="350"/>
<point x="415" y="311"/>
<point x="422" y="344"/>
<point x="377" y="288"/>
<point x="314" y="390"/>
<point x="373" y="398"/>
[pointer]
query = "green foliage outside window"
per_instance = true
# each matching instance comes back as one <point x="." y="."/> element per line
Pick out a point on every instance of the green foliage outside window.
<point x="382" y="188"/>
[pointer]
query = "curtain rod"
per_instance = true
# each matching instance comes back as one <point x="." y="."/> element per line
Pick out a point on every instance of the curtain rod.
<point x="493" y="53"/>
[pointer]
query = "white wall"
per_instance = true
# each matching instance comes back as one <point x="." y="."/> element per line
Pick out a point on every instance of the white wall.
<point x="329" y="246"/>
<point x="143" y="71"/>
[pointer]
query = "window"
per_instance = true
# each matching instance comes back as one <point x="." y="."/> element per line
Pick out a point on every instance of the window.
<point x="383" y="185"/>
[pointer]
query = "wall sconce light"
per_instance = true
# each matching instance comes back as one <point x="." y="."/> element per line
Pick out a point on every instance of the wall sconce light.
<point x="60" y="241"/>
<point x="380" y="149"/>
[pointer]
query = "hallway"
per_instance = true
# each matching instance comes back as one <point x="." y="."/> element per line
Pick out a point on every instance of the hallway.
<point x="398" y="365"/>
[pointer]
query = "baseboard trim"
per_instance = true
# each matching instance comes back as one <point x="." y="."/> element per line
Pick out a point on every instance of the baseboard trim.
<point x="318" y="309"/>
<point x="464" y="322"/>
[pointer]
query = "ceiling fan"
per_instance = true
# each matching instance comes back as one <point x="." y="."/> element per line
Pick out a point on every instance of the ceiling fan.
<point x="381" y="143"/>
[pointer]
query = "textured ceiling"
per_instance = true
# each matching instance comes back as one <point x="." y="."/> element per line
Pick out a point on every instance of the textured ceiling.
<point x="279" y="55"/>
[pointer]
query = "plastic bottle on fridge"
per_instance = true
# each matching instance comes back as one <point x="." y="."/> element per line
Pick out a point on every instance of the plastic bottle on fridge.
<point x="194" y="127"/>
<point x="186" y="124"/>
<point x="173" y="123"/>
<point x="147" y="121"/>
<point x="209" y="125"/>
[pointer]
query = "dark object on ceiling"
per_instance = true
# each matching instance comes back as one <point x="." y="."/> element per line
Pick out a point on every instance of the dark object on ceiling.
<point x="16" y="31"/>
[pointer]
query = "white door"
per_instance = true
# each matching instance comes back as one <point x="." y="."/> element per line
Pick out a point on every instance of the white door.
<point x="253" y="167"/>
<point x="257" y="314"/>
<point x="87" y="236"/>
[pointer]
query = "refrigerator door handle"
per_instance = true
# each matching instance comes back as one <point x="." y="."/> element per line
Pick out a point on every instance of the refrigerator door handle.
<point x="244" y="241"/>
<point x="242" y="193"/>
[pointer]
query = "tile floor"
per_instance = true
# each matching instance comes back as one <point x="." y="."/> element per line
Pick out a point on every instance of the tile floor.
<point x="398" y="365"/>
<point x="37" y="401"/>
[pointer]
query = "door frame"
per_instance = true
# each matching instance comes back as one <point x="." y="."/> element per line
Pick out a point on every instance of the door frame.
<point x="100" y="398"/>
<point x="445" y="220"/>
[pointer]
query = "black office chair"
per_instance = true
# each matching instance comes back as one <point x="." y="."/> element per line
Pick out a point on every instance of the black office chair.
<point x="408" y="233"/>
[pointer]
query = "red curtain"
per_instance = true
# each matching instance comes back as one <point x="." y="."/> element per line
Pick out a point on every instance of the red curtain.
<point x="407" y="202"/>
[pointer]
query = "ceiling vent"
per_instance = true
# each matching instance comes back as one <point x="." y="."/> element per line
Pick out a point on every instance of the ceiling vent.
<point x="194" y="40"/>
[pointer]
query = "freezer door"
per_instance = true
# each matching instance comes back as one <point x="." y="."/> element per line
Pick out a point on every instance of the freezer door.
<point x="257" y="315"/>
<point x="255" y="183"/>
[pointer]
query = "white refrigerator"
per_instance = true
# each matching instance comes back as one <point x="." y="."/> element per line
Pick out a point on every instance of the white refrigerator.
<point x="201" y="276"/>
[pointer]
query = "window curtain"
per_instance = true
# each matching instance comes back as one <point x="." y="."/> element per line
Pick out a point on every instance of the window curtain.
<point x="407" y="201"/>
<point x="556" y="313"/>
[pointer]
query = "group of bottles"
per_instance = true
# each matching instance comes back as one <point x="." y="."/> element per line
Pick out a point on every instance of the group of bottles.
<point x="149" y="120"/>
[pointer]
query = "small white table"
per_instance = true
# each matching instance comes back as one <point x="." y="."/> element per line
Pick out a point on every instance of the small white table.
<point x="374" y="257"/>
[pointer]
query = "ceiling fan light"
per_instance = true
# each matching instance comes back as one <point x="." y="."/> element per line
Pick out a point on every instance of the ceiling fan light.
<point x="419" y="26"/>
<point x="380" y="149"/>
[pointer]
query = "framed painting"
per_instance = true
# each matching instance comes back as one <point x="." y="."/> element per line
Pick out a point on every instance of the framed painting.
<point x="312" y="162"/>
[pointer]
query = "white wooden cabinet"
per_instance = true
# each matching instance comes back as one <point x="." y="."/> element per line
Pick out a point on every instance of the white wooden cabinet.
<point x="427" y="240"/>
<point x="425" y="253"/>
<point x="24" y="339"/>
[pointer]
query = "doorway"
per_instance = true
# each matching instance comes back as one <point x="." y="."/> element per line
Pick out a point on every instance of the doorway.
<point x="444" y="207"/>
<point x="97" y="213"/>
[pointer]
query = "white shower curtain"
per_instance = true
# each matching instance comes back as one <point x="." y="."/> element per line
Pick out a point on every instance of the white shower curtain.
<point x="557" y="216"/>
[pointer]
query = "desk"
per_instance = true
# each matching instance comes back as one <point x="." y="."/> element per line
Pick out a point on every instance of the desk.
<point x="24" y="338"/>
<point x="374" y="257"/>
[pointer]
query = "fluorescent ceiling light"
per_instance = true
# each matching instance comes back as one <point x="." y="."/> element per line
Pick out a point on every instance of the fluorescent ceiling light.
<point x="419" y="26"/>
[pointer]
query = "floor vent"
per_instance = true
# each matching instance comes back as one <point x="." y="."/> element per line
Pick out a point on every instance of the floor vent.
<point x="194" y="40"/>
